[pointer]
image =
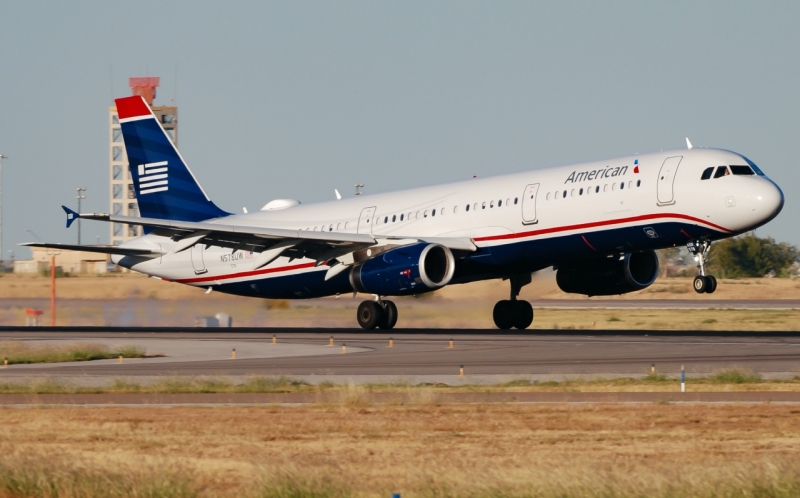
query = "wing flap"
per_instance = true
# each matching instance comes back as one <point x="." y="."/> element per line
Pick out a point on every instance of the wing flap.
<point x="122" y="251"/>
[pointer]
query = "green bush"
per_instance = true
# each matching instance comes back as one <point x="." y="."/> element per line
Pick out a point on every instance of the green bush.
<point x="750" y="256"/>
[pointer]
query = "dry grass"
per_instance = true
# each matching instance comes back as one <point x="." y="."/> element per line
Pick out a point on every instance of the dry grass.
<point x="728" y="380"/>
<point x="17" y="352"/>
<point x="419" y="450"/>
<point x="135" y="300"/>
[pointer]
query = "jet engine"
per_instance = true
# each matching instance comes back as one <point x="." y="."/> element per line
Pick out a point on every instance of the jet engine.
<point x="405" y="270"/>
<point x="605" y="277"/>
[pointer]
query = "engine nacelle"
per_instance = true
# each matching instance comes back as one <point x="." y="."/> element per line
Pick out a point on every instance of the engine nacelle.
<point x="412" y="269"/>
<point x="634" y="271"/>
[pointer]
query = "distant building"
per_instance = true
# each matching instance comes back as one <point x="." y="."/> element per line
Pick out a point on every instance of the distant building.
<point x="68" y="261"/>
<point x="121" y="193"/>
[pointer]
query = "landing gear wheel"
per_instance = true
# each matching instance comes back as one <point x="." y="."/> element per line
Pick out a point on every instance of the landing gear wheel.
<point x="504" y="314"/>
<point x="700" y="284"/>
<point x="712" y="284"/>
<point x="389" y="316"/>
<point x="369" y="314"/>
<point x="523" y="316"/>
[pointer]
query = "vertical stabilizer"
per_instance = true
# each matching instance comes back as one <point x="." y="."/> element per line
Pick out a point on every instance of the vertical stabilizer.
<point x="165" y="187"/>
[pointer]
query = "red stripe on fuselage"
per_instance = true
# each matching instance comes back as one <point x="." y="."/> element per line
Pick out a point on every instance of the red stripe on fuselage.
<point x="266" y="271"/>
<point x="243" y="274"/>
<point x="595" y="224"/>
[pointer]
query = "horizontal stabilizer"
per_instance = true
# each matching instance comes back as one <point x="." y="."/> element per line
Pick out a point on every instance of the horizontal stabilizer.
<point x="122" y="251"/>
<point x="71" y="215"/>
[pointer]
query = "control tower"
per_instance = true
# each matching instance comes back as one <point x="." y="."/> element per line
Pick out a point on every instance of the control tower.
<point x="121" y="193"/>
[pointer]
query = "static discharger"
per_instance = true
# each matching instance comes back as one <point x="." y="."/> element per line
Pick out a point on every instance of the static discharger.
<point x="461" y="371"/>
<point x="233" y="354"/>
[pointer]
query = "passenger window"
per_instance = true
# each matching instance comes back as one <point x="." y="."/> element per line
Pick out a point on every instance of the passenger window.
<point x="330" y="228"/>
<point x="580" y="192"/>
<point x="588" y="190"/>
<point x="467" y="207"/>
<point x="605" y="188"/>
<point x="401" y="217"/>
<point x="500" y="202"/>
<point x="515" y="200"/>
<point x="614" y="187"/>
<point x="638" y="183"/>
<point x="425" y="214"/>
<point x="564" y="195"/>
<point x="707" y="173"/>
<point x="548" y="196"/>
<point x="742" y="170"/>
<point x="572" y="193"/>
<point x="442" y="213"/>
<point x="455" y="209"/>
<point x="394" y="218"/>
<point x="491" y="204"/>
<point x="386" y="219"/>
<point x="721" y="171"/>
<point x="508" y="201"/>
<point x="433" y="213"/>
<point x="338" y="226"/>
<point x="597" y="189"/>
<point x="417" y="214"/>
<point x="630" y="185"/>
<point x="556" y="196"/>
<point x="475" y="206"/>
<point x="622" y="186"/>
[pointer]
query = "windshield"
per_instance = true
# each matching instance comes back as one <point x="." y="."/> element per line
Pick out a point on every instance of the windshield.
<point x="753" y="165"/>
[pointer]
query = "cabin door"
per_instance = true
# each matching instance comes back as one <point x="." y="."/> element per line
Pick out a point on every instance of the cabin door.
<point x="666" y="180"/>
<point x="197" y="259"/>
<point x="366" y="219"/>
<point x="529" y="204"/>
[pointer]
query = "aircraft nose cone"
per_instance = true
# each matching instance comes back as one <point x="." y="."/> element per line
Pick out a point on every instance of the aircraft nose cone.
<point x="770" y="198"/>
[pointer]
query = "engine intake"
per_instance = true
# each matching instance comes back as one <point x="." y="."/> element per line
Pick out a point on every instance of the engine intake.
<point x="634" y="271"/>
<point x="405" y="270"/>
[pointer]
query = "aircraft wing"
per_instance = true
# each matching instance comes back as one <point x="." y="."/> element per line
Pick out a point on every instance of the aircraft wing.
<point x="269" y="242"/>
<point x="122" y="251"/>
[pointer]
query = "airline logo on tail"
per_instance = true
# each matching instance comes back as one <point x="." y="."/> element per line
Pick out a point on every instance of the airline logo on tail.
<point x="153" y="177"/>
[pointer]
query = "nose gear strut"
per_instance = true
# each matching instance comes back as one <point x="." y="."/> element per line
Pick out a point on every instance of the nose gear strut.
<point x="702" y="283"/>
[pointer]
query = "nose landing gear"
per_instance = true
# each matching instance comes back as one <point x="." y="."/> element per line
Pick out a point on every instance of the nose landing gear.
<point x="702" y="283"/>
<point x="514" y="313"/>
<point x="381" y="314"/>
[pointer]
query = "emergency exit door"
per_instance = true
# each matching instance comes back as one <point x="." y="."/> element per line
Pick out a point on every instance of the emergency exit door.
<point x="529" y="204"/>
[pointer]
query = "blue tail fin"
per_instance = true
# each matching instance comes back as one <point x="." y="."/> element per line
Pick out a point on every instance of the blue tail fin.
<point x="165" y="187"/>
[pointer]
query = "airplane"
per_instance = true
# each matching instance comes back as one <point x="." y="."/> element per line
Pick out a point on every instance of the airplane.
<point x="597" y="224"/>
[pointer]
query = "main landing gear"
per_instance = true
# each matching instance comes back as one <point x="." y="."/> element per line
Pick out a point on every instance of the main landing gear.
<point x="381" y="314"/>
<point x="702" y="283"/>
<point x="514" y="313"/>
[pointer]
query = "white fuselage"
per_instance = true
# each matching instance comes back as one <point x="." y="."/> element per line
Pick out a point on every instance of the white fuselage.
<point x="607" y="203"/>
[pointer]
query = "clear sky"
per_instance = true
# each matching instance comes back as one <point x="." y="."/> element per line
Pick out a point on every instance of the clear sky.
<point x="294" y="99"/>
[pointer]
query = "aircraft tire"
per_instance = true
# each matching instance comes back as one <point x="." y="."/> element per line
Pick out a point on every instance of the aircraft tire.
<point x="389" y="318"/>
<point x="712" y="284"/>
<point x="504" y="314"/>
<point x="700" y="284"/>
<point x="523" y="316"/>
<point x="369" y="314"/>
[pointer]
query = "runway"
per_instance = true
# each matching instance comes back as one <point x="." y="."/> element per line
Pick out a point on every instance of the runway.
<point x="486" y="356"/>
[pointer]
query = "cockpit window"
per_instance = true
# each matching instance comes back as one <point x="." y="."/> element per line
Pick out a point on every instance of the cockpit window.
<point x="721" y="171"/>
<point x="753" y="165"/>
<point x="707" y="173"/>
<point x="741" y="170"/>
